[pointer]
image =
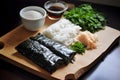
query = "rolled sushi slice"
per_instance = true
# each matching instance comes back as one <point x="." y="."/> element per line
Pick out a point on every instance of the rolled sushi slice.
<point x="58" y="48"/>
<point x="41" y="55"/>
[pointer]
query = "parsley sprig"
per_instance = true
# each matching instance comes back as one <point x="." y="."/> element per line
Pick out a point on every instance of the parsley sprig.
<point x="78" y="47"/>
<point x="86" y="17"/>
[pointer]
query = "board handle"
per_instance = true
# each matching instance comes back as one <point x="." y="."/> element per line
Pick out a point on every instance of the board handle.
<point x="1" y="45"/>
<point x="70" y="77"/>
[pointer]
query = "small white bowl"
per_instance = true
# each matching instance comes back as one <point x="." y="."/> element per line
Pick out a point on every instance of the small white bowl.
<point x="33" y="17"/>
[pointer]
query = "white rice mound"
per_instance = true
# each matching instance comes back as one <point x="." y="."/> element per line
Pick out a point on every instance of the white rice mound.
<point x="62" y="31"/>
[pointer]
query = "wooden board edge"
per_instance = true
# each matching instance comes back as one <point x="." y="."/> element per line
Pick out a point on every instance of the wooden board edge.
<point x="82" y="71"/>
<point x="28" y="69"/>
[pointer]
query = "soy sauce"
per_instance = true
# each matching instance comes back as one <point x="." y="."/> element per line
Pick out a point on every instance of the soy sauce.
<point x="56" y="8"/>
<point x="54" y="12"/>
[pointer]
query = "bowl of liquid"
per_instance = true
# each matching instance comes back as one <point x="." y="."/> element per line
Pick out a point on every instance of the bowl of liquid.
<point x="55" y="9"/>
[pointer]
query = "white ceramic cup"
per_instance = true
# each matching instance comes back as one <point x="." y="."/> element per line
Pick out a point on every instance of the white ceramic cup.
<point x="33" y="17"/>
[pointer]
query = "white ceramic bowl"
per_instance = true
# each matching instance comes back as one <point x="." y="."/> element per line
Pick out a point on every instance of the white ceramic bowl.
<point x="33" y="17"/>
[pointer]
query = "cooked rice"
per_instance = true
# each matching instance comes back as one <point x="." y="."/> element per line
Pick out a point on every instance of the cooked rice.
<point x="62" y="31"/>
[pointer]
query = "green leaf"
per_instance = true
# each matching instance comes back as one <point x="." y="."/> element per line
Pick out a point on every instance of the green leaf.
<point x="78" y="47"/>
<point x="86" y="17"/>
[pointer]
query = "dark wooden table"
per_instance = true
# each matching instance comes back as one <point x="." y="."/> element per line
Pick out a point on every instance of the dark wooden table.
<point x="106" y="69"/>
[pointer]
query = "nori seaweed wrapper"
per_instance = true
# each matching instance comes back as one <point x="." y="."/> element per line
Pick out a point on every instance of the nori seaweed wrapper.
<point x="40" y="55"/>
<point x="58" y="48"/>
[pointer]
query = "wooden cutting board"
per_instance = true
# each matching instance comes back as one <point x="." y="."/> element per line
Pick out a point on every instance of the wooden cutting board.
<point x="106" y="39"/>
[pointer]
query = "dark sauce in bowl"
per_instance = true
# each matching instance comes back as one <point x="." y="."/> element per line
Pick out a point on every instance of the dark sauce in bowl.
<point x="56" y="8"/>
<point x="55" y="12"/>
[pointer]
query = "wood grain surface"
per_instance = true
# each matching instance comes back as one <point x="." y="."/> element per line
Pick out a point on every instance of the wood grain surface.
<point x="82" y="63"/>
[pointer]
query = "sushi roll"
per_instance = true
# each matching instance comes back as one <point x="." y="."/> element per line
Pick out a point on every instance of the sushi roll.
<point x="58" y="48"/>
<point x="41" y="55"/>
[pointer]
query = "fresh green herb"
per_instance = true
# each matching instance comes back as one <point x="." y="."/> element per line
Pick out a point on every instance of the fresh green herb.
<point x="78" y="47"/>
<point x="86" y="17"/>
